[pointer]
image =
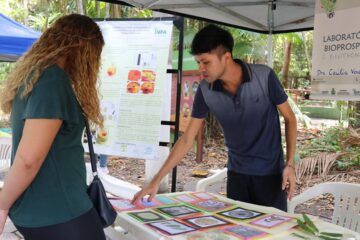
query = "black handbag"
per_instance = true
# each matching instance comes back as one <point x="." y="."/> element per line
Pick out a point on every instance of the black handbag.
<point x="96" y="191"/>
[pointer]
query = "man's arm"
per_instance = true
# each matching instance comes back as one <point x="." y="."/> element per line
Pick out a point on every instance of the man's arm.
<point x="181" y="147"/>
<point x="290" y="135"/>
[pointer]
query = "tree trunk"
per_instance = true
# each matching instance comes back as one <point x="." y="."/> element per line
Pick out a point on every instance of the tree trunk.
<point x="84" y="2"/>
<point x="80" y="7"/>
<point x="97" y="9"/>
<point x="212" y="128"/>
<point x="286" y="65"/>
<point x="115" y="11"/>
<point x="26" y="18"/>
<point x="306" y="50"/>
<point x="200" y="144"/>
<point x="107" y="10"/>
<point x="47" y="6"/>
<point x="63" y="6"/>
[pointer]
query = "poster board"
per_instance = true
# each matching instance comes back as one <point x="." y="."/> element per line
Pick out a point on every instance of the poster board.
<point x="133" y="87"/>
<point x="336" y="50"/>
<point x="190" y="81"/>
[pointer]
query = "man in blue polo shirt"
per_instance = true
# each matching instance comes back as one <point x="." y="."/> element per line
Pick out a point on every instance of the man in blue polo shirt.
<point x="245" y="99"/>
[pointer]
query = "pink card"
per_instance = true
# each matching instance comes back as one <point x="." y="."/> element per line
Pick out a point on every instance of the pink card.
<point x="185" y="198"/>
<point x="271" y="221"/>
<point x="203" y="195"/>
<point x="144" y="203"/>
<point x="245" y="233"/>
<point x="122" y="204"/>
<point x="212" y="205"/>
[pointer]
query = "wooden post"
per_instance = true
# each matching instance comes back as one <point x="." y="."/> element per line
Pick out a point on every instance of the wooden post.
<point x="200" y="144"/>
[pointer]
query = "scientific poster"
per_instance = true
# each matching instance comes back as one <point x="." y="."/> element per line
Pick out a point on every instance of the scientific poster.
<point x="336" y="50"/>
<point x="133" y="74"/>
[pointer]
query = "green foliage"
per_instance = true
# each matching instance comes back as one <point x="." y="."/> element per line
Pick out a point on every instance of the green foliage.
<point x="311" y="232"/>
<point x="354" y="114"/>
<point x="321" y="112"/>
<point x="302" y="83"/>
<point x="349" y="160"/>
<point x="4" y="71"/>
<point x="249" y="46"/>
<point x="331" y="141"/>
<point x="327" y="109"/>
<point x="4" y="123"/>
<point x="39" y="21"/>
<point x="300" y="61"/>
<point x="189" y="34"/>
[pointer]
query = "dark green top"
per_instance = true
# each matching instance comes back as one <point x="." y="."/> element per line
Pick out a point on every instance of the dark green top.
<point x="58" y="192"/>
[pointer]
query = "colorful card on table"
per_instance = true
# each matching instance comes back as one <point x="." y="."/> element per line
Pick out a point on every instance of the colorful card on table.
<point x="165" y="200"/>
<point x="185" y="198"/>
<point x="145" y="203"/>
<point x="240" y="214"/>
<point x="271" y="221"/>
<point x="215" y="234"/>
<point x="122" y="204"/>
<point x="212" y="205"/>
<point x="203" y="195"/>
<point x="245" y="233"/>
<point x="177" y="210"/>
<point x="206" y="222"/>
<point x="171" y="227"/>
<point x="146" y="216"/>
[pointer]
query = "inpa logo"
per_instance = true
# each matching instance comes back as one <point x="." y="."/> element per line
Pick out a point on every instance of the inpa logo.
<point x="160" y="31"/>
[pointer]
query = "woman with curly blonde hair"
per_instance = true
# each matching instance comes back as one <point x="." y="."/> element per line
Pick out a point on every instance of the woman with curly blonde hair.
<point x="50" y="92"/>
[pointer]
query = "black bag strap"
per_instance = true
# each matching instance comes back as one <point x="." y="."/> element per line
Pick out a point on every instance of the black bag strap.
<point x="91" y="148"/>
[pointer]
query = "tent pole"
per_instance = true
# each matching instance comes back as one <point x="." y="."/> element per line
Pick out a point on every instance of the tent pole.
<point x="179" y="23"/>
<point x="271" y="8"/>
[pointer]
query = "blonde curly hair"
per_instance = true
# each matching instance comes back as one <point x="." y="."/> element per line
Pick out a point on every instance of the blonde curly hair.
<point x="75" y="38"/>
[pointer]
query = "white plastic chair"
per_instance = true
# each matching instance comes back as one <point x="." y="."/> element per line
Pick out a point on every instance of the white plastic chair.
<point x="5" y="155"/>
<point x="218" y="176"/>
<point x="346" y="202"/>
<point x="112" y="184"/>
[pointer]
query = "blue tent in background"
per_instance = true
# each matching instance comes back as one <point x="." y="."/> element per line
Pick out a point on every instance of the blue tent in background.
<point x="15" y="39"/>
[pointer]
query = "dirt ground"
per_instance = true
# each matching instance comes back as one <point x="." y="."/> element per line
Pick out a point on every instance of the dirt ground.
<point x="215" y="157"/>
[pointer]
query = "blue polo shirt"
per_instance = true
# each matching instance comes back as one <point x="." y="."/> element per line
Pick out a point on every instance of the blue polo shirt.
<point x="249" y="120"/>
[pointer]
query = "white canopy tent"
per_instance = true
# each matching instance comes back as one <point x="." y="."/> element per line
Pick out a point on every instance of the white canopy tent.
<point x="264" y="16"/>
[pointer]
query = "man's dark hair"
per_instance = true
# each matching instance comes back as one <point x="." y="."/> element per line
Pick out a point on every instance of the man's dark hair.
<point x="211" y="37"/>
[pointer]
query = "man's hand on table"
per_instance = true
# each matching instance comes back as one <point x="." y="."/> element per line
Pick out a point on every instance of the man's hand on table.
<point x="151" y="189"/>
<point x="289" y="181"/>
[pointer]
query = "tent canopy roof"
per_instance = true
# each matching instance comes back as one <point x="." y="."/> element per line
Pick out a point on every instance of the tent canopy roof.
<point x="264" y="16"/>
<point x="15" y="38"/>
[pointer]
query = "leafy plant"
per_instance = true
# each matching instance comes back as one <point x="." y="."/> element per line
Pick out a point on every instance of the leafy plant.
<point x="4" y="123"/>
<point x="312" y="232"/>
<point x="350" y="144"/>
<point x="343" y="141"/>
<point x="329" y="142"/>
<point x="5" y="68"/>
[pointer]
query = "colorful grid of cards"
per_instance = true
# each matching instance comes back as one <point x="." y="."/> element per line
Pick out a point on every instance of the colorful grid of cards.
<point x="202" y="215"/>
